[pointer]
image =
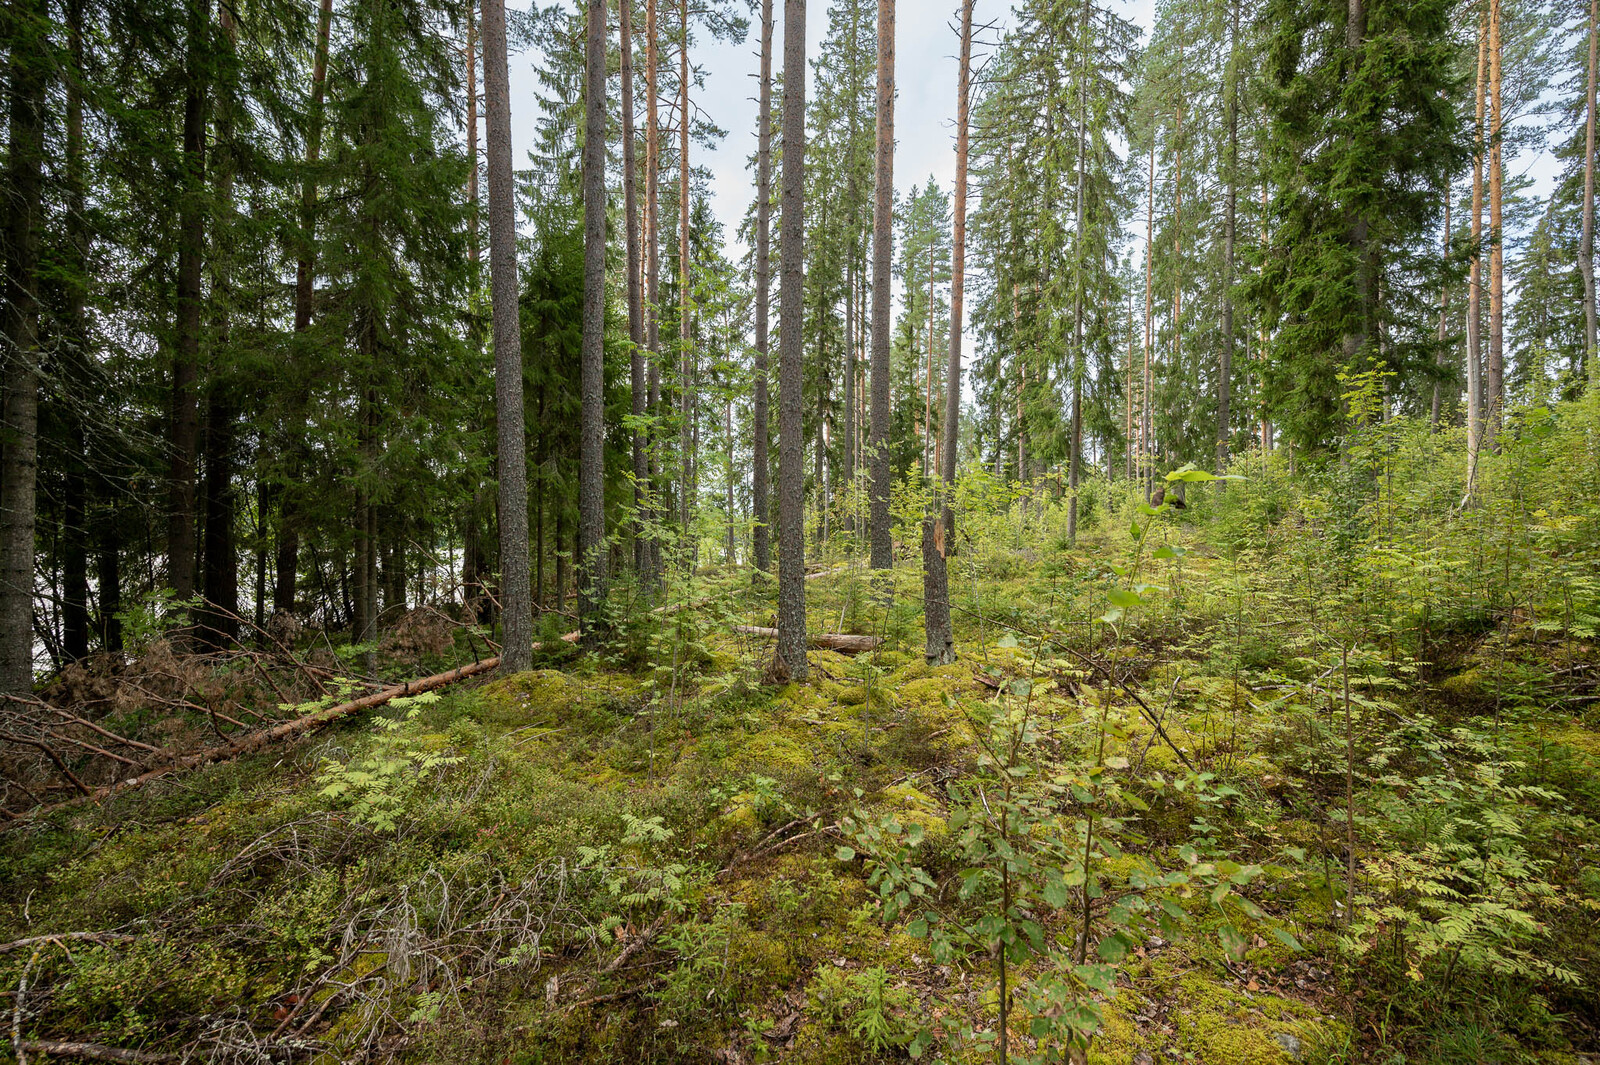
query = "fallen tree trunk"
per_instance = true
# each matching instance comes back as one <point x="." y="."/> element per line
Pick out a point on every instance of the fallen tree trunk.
<point x="288" y="730"/>
<point x="843" y="642"/>
<point x="61" y="1048"/>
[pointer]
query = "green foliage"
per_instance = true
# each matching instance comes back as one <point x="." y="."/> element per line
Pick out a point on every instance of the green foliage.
<point x="376" y="785"/>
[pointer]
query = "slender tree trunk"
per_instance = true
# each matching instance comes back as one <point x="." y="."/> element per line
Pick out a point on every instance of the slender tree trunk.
<point x="636" y="370"/>
<point x="220" y="555"/>
<point x="185" y="415"/>
<point x="1586" y="241"/>
<point x="686" y="354"/>
<point x="592" y="554"/>
<point x="472" y="560"/>
<point x="1495" y="376"/>
<point x="511" y="450"/>
<point x="652" y="277"/>
<point x="849" y="449"/>
<point x="290" y="516"/>
<point x="1079" y="369"/>
<point x="75" y="533"/>
<point x="28" y="72"/>
<point x="1444" y="314"/>
<point x="790" y="662"/>
<point x="1229" y="226"/>
<point x="938" y="527"/>
<point x="882" y="254"/>
<point x="762" y="535"/>
<point x="1146" y="464"/>
<point x="1475" y="276"/>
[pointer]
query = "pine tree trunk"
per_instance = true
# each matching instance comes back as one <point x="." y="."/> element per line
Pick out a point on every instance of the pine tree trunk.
<point x="75" y="533"/>
<point x="849" y="448"/>
<point x="1229" y="226"/>
<point x="28" y="70"/>
<point x="790" y="662"/>
<point x="938" y="528"/>
<point x="511" y="450"/>
<point x="1586" y="241"/>
<point x="1444" y="316"/>
<point x="762" y="535"/>
<point x="218" y="613"/>
<point x="652" y="244"/>
<point x="1146" y="465"/>
<point x="592" y="559"/>
<point x="882" y="253"/>
<point x="686" y="355"/>
<point x="1475" y="276"/>
<point x="184" y="424"/>
<point x="636" y="370"/>
<point x="1494" y="381"/>
<point x="1079" y="367"/>
<point x="290" y="496"/>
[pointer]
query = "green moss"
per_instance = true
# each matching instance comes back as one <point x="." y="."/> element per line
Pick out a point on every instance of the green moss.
<point x="1219" y="1022"/>
<point x="539" y="696"/>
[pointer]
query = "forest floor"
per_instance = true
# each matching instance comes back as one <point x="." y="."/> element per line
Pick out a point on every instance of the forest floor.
<point x="654" y="857"/>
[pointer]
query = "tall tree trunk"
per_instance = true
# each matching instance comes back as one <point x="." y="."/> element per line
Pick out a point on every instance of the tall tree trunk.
<point x="882" y="254"/>
<point x="849" y="448"/>
<point x="591" y="467"/>
<point x="686" y="354"/>
<point x="1229" y="226"/>
<point x="1079" y="367"/>
<point x="652" y="277"/>
<point x="1586" y="241"/>
<point x="185" y="415"/>
<point x="1495" y="377"/>
<point x="1475" y="275"/>
<point x="939" y="526"/>
<point x="1444" y="317"/>
<point x="762" y="535"/>
<point x="636" y="371"/>
<point x="75" y="538"/>
<point x="291" y="502"/>
<point x="511" y="449"/>
<point x="790" y="662"/>
<point x="28" y="72"/>
<point x="472" y="561"/>
<point x="1146" y="464"/>
<point x="218" y="614"/>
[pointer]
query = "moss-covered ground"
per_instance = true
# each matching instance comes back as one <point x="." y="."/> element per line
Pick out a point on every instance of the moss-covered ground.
<point x="638" y="857"/>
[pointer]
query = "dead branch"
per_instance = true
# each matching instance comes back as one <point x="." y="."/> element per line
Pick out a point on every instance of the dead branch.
<point x="257" y="740"/>
<point x="843" y="642"/>
<point x="93" y="937"/>
<point x="62" y="1048"/>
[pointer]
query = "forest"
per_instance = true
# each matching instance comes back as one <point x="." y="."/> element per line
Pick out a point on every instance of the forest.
<point x="493" y="571"/>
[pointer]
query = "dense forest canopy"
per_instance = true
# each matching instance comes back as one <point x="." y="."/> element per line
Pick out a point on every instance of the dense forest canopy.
<point x="312" y="386"/>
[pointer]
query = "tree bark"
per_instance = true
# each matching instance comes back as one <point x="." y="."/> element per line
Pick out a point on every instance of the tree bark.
<point x="790" y="662"/>
<point x="511" y="450"/>
<point x="1079" y="367"/>
<point x="636" y="369"/>
<point x="185" y="416"/>
<point x="1444" y="313"/>
<point x="686" y="355"/>
<point x="882" y="254"/>
<point x="290" y="504"/>
<point x="1475" y="275"/>
<point x="1495" y="377"/>
<point x="1586" y="241"/>
<point x="591" y="466"/>
<point x="75" y="532"/>
<point x="1146" y="418"/>
<point x="28" y="71"/>
<point x="1229" y="236"/>
<point x="938" y="539"/>
<point x="761" y="534"/>
<point x="652" y="278"/>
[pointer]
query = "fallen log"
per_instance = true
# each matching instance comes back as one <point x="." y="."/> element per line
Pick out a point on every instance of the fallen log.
<point x="61" y="1048"/>
<point x="257" y="740"/>
<point x="843" y="642"/>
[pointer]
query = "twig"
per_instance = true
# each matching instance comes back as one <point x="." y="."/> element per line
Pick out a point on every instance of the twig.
<point x="95" y="937"/>
<point x="60" y="1048"/>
